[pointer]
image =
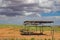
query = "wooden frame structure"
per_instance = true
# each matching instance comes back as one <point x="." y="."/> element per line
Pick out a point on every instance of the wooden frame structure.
<point x="36" y="23"/>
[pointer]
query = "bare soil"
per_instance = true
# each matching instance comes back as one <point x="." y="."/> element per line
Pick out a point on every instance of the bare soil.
<point x="15" y="33"/>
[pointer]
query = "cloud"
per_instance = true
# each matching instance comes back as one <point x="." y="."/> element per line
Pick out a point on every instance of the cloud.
<point x="46" y="3"/>
<point x="20" y="19"/>
<point x="3" y="17"/>
<point x="27" y="7"/>
<point x="9" y="12"/>
<point x="16" y="11"/>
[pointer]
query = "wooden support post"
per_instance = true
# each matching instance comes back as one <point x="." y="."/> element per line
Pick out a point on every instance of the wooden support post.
<point x="42" y="29"/>
<point x="36" y="28"/>
<point x="53" y="34"/>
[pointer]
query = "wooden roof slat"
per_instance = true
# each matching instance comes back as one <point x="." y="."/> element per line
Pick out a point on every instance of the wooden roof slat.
<point x="39" y="21"/>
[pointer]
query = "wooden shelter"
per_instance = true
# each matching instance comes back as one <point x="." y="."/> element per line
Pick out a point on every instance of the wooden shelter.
<point x="36" y="23"/>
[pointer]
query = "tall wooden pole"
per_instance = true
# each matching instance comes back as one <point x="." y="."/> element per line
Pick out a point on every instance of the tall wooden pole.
<point x="36" y="27"/>
<point x="42" y="29"/>
<point x="53" y="34"/>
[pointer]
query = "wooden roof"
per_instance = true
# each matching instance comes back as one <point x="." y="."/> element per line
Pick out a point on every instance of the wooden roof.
<point x="39" y="21"/>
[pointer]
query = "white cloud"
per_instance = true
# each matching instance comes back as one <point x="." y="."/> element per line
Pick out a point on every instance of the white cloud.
<point x="3" y="17"/>
<point x="4" y="3"/>
<point x="47" y="10"/>
<point x="29" y="1"/>
<point x="26" y="13"/>
<point x="46" y="3"/>
<point x="57" y="17"/>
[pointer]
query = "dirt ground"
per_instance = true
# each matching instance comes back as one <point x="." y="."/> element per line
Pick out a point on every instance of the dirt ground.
<point x="15" y="33"/>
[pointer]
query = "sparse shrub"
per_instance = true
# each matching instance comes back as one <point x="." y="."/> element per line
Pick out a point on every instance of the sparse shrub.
<point x="32" y="38"/>
<point x="41" y="39"/>
<point x="12" y="39"/>
<point x="17" y="39"/>
<point x="59" y="39"/>
<point x="53" y="38"/>
<point x="24" y="39"/>
<point x="38" y="39"/>
<point x="0" y="38"/>
<point x="9" y="32"/>
<point x="45" y="39"/>
<point x="49" y="39"/>
<point x="5" y="39"/>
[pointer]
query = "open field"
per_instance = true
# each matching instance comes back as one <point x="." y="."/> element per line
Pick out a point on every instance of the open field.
<point x="12" y="32"/>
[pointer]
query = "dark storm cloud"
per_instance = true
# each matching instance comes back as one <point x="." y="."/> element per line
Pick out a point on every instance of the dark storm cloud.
<point x="18" y="7"/>
<point x="10" y="12"/>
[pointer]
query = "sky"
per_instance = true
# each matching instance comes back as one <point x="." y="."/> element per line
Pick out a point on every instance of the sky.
<point x="18" y="11"/>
